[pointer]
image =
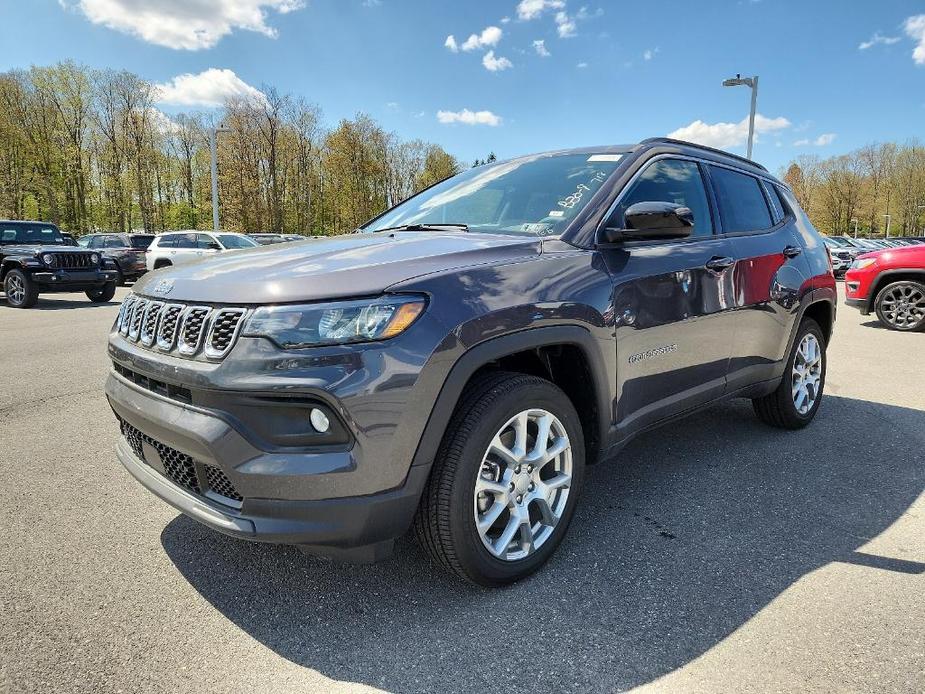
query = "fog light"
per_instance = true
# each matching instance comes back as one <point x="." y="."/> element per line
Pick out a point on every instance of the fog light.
<point x="320" y="421"/>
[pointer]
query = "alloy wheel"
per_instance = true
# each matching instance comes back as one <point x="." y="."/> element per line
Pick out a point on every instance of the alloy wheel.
<point x="15" y="289"/>
<point x="806" y="374"/>
<point x="903" y="306"/>
<point x="523" y="485"/>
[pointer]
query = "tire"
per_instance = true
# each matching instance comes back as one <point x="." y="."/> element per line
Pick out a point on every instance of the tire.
<point x="445" y="524"/>
<point x="780" y="408"/>
<point x="901" y="306"/>
<point x="21" y="291"/>
<point x="103" y="294"/>
<point x="162" y="263"/>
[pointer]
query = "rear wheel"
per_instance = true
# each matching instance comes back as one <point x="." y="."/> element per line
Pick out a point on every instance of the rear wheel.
<point x="795" y="401"/>
<point x="103" y="294"/>
<point x="21" y="291"/>
<point x="505" y="482"/>
<point x="901" y="306"/>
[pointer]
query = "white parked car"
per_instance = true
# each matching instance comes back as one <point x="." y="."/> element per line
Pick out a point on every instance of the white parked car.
<point x="178" y="247"/>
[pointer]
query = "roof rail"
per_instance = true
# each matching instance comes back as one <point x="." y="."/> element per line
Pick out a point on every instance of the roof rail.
<point x="671" y="141"/>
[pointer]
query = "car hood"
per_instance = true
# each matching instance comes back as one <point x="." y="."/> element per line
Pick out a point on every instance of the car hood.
<point x="36" y="248"/>
<point x="911" y="254"/>
<point x="341" y="266"/>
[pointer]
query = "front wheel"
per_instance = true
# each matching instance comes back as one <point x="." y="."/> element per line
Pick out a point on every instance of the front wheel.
<point x="796" y="400"/>
<point x="505" y="482"/>
<point x="21" y="291"/>
<point x="103" y="294"/>
<point x="901" y="306"/>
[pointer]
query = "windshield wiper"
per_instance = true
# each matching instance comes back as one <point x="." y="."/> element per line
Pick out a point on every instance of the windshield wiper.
<point x="426" y="227"/>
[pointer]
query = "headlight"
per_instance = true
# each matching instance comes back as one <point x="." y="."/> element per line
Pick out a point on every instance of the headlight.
<point x="95" y="258"/>
<point x="310" y="325"/>
<point x="48" y="259"/>
<point x="862" y="263"/>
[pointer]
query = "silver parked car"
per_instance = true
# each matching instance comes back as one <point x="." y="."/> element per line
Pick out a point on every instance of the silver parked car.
<point x="176" y="248"/>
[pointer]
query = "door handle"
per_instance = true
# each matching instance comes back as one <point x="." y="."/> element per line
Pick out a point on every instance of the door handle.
<point x="792" y="251"/>
<point x="719" y="264"/>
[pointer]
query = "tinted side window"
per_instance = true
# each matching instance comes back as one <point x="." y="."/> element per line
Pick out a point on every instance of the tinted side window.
<point x="742" y="205"/>
<point x="777" y="209"/>
<point x="113" y="242"/>
<point x="676" y="181"/>
<point x="95" y="242"/>
<point x="169" y="241"/>
<point x="204" y="241"/>
<point x="186" y="240"/>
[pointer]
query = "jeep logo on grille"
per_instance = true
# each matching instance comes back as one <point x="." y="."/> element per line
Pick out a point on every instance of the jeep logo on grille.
<point x="163" y="288"/>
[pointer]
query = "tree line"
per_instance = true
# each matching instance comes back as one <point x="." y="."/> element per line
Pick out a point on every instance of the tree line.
<point x="877" y="184"/>
<point x="89" y="150"/>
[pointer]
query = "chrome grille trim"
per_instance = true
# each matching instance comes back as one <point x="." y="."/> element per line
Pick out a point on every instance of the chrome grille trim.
<point x="124" y="312"/>
<point x="171" y="315"/>
<point x="149" y="322"/>
<point x="194" y="325"/>
<point x="138" y="312"/>
<point x="223" y="331"/>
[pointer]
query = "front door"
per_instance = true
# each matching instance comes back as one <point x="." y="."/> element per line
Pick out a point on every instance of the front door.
<point x="672" y="303"/>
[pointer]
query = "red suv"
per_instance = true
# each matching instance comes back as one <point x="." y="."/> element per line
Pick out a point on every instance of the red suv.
<point x="892" y="283"/>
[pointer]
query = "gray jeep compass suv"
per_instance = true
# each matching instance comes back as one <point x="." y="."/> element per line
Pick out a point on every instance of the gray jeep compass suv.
<point x="455" y="366"/>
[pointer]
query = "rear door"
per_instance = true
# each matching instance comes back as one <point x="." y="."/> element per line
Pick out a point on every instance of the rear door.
<point x="768" y="275"/>
<point x="672" y="302"/>
<point x="186" y="248"/>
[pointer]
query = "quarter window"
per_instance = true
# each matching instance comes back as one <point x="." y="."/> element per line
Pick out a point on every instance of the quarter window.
<point x="742" y="205"/>
<point x="671" y="180"/>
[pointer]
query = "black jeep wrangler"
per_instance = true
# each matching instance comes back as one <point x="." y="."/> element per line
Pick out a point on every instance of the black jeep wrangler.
<point x="36" y="258"/>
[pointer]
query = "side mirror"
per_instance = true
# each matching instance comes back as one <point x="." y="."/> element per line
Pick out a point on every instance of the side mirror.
<point x="213" y="246"/>
<point x="648" y="221"/>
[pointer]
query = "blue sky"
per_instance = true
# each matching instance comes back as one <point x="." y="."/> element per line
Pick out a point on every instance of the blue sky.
<point x="606" y="72"/>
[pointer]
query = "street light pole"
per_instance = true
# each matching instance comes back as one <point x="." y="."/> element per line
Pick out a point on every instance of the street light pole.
<point x="889" y="219"/>
<point x="213" y="146"/>
<point x="752" y="83"/>
<point x="855" y="227"/>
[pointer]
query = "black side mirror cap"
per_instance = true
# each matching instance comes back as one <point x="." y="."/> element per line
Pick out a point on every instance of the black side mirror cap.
<point x="650" y="221"/>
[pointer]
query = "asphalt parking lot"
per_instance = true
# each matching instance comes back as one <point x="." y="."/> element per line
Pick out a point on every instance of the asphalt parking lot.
<point x="715" y="555"/>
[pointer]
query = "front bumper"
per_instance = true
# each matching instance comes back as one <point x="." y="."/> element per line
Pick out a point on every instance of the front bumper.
<point x="860" y="304"/>
<point x="69" y="280"/>
<point x="303" y="499"/>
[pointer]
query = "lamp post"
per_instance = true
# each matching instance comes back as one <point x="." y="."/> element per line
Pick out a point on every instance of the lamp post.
<point x="751" y="82"/>
<point x="855" y="227"/>
<point x="889" y="218"/>
<point x="213" y="146"/>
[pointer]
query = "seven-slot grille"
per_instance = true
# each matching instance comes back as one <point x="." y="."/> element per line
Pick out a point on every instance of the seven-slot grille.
<point x="74" y="261"/>
<point x="182" y="328"/>
<point x="182" y="469"/>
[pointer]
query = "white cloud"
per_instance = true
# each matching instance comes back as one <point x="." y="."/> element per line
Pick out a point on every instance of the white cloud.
<point x="495" y="64"/>
<point x="531" y="9"/>
<point x="915" y="29"/>
<point x="162" y="121"/>
<point x="489" y="37"/>
<point x="821" y="141"/>
<point x="467" y="117"/>
<point x="581" y="66"/>
<point x="212" y="87"/>
<point x="451" y="43"/>
<point x="540" y="47"/>
<point x="724" y="135"/>
<point x="565" y="25"/>
<point x="505" y="20"/>
<point x="649" y="53"/>
<point x="879" y="38"/>
<point x="183" y="24"/>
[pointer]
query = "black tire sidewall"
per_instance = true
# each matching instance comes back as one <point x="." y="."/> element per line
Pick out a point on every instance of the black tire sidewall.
<point x="103" y="294"/>
<point x="877" y="307"/>
<point x="487" y="569"/>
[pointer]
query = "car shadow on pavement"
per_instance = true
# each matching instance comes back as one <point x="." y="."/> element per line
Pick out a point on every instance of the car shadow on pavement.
<point x="676" y="544"/>
<point x="48" y="304"/>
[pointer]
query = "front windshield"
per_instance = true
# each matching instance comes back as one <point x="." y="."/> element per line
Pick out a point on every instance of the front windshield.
<point x="533" y="196"/>
<point x="233" y="241"/>
<point x="31" y="233"/>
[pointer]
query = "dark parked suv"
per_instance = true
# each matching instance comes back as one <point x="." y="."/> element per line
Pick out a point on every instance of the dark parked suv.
<point x="36" y="258"/>
<point x="456" y="366"/>
<point x="127" y="251"/>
